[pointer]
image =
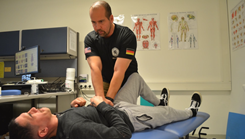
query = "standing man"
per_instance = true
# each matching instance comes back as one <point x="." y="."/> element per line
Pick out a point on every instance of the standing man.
<point x="110" y="51"/>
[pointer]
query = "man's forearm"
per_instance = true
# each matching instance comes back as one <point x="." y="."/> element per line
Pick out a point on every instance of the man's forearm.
<point x="115" y="84"/>
<point x="97" y="81"/>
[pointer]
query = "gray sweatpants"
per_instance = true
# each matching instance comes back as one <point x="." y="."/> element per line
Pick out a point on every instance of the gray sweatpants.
<point x="145" y="117"/>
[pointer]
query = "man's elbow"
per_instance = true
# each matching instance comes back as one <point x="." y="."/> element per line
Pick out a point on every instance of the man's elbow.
<point x="119" y="70"/>
<point x="96" y="69"/>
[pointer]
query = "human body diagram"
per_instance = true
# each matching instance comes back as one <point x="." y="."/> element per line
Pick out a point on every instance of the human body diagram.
<point x="137" y="28"/>
<point x="146" y="29"/>
<point x="192" y="40"/>
<point x="152" y="26"/>
<point x="182" y="30"/>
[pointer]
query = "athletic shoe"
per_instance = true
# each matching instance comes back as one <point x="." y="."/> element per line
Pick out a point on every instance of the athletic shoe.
<point x="196" y="100"/>
<point x="164" y="97"/>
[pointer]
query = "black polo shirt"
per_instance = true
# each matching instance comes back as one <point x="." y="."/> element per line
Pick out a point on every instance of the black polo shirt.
<point x="122" y="43"/>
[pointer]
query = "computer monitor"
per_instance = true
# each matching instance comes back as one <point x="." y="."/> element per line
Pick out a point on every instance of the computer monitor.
<point x="28" y="61"/>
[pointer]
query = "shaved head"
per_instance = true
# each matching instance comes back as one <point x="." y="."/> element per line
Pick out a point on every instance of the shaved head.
<point x="103" y="4"/>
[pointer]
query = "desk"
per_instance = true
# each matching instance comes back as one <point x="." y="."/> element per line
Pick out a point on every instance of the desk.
<point x="63" y="99"/>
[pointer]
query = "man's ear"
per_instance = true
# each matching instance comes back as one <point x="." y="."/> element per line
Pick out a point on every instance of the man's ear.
<point x="111" y="18"/>
<point x="42" y="132"/>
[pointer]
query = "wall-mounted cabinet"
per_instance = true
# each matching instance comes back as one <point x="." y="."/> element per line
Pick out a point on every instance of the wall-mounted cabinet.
<point x="9" y="43"/>
<point x="58" y="49"/>
<point x="53" y="42"/>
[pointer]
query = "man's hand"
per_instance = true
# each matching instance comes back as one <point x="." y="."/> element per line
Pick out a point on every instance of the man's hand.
<point x="108" y="102"/>
<point x="78" y="102"/>
<point x="96" y="100"/>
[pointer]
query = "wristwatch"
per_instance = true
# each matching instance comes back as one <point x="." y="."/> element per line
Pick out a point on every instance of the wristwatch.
<point x="111" y="99"/>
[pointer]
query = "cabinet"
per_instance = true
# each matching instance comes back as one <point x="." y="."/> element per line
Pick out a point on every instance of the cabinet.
<point x="58" y="41"/>
<point x="9" y="43"/>
<point x="58" y="49"/>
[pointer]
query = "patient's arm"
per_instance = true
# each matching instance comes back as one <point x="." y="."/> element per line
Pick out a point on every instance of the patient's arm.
<point x="116" y="128"/>
<point x="96" y="100"/>
<point x="78" y="102"/>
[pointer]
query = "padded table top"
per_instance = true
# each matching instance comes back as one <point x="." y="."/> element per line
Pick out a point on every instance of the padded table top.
<point x="182" y="128"/>
<point x="153" y="134"/>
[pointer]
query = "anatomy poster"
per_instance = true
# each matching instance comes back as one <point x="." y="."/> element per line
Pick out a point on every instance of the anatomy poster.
<point x="119" y="19"/>
<point x="147" y="31"/>
<point x="182" y="30"/>
<point x="238" y="26"/>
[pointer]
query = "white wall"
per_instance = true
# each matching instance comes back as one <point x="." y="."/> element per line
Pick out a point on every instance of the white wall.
<point x="196" y="69"/>
<point x="238" y="73"/>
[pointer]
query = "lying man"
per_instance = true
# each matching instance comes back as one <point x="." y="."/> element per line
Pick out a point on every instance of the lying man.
<point x="100" y="120"/>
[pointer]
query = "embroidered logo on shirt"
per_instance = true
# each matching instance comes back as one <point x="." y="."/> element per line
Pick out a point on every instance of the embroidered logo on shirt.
<point x="130" y="51"/>
<point x="115" y="51"/>
<point x="87" y="50"/>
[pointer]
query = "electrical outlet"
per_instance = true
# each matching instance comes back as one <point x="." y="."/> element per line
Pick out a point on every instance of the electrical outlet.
<point x="86" y="86"/>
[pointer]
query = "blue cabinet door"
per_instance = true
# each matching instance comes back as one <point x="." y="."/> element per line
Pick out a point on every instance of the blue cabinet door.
<point x="50" y="40"/>
<point x="9" y="43"/>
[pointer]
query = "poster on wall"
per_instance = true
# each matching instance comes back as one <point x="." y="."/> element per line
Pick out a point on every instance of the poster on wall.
<point x="238" y="26"/>
<point x="119" y="19"/>
<point x="147" y="31"/>
<point x="182" y="28"/>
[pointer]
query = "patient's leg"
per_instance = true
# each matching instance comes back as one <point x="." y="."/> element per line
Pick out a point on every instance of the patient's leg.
<point x="145" y="117"/>
<point x="135" y="87"/>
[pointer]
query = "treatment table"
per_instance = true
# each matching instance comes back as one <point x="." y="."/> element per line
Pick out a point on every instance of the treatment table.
<point x="174" y="130"/>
